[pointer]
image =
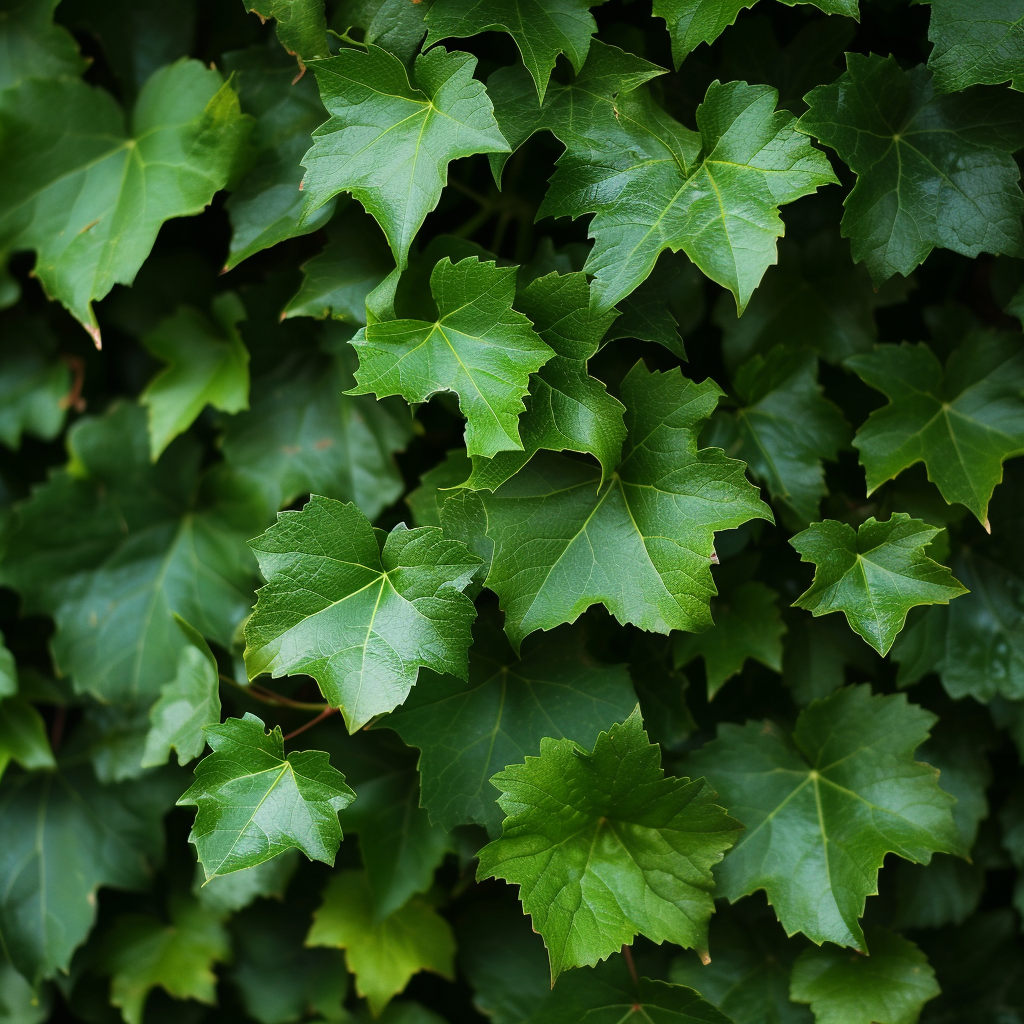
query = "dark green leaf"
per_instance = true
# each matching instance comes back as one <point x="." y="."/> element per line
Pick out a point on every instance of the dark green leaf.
<point x="23" y="736"/>
<point x="34" y="385"/>
<point x="976" y="42"/>
<point x="32" y="46"/>
<point x="301" y="25"/>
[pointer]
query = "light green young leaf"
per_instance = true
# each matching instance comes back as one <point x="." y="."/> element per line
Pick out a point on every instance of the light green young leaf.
<point x="89" y="193"/>
<point x="31" y="46"/>
<point x="113" y="546"/>
<point x="389" y="142"/>
<point x="383" y="956"/>
<point x="301" y="25"/>
<point x="359" y="617"/>
<point x="479" y="347"/>
<point x="747" y="625"/>
<point x="187" y="705"/>
<point x="542" y="29"/>
<point x="822" y="807"/>
<point x="208" y="364"/>
<point x="784" y="428"/>
<point x="142" y="953"/>
<point x="566" y="408"/>
<point x="35" y="385"/>
<point x="604" y="847"/>
<point x="467" y="730"/>
<point x="655" y="185"/>
<point x="65" y="835"/>
<point x="962" y="423"/>
<point x="254" y="803"/>
<point x="931" y="170"/>
<point x="641" y="543"/>
<point x="976" y="42"/>
<point x="23" y="736"/>
<point x="266" y="205"/>
<point x="8" y="671"/>
<point x="888" y="987"/>
<point x="873" y="575"/>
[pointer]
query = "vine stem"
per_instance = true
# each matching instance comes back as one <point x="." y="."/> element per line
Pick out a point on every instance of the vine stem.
<point x="326" y="713"/>
<point x="265" y="696"/>
<point x="627" y="955"/>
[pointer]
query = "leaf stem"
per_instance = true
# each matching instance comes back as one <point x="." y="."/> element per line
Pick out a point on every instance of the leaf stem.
<point x="265" y="696"/>
<point x="627" y="955"/>
<point x="346" y="38"/>
<point x="326" y="713"/>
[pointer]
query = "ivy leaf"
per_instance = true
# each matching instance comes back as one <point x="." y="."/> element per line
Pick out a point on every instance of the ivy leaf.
<point x="542" y="29"/>
<point x="609" y="993"/>
<point x="692" y="22"/>
<point x="360" y="618"/>
<point x="479" y="347"/>
<point x="208" y="364"/>
<point x="304" y="435"/>
<point x="962" y="424"/>
<point x="301" y="25"/>
<point x="641" y="543"/>
<point x="383" y="956"/>
<point x="254" y="803"/>
<point x="566" y="407"/>
<point x="65" y="835"/>
<point x="23" y="736"/>
<point x="389" y="142"/>
<point x="888" y="987"/>
<point x="748" y="626"/>
<point x="188" y="704"/>
<point x="34" y="385"/>
<point x="822" y="807"/>
<point x="467" y="730"/>
<point x="604" y="847"/>
<point x="873" y="575"/>
<point x="142" y="953"/>
<point x="655" y="185"/>
<point x="89" y="195"/>
<point x="976" y="42"/>
<point x="931" y="170"/>
<point x="266" y="206"/>
<point x="395" y="25"/>
<point x="113" y="546"/>
<point x="33" y="47"/>
<point x="784" y="428"/>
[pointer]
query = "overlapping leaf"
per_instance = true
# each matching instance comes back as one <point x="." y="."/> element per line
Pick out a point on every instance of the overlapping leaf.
<point x="976" y="42"/>
<point x="31" y="46"/>
<point x="641" y="543"/>
<point x="301" y="25"/>
<point x="358" y="615"/>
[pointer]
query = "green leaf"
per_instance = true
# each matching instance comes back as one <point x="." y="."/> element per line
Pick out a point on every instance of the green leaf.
<point x="113" y="547"/>
<point x="89" y="194"/>
<point x="822" y="807"/>
<point x="976" y="42"/>
<point x="304" y="435"/>
<point x="604" y="847"/>
<point x="224" y="894"/>
<point x="692" y="22"/>
<point x="946" y="891"/>
<point x="34" y="385"/>
<point x="266" y="206"/>
<point x="479" y="347"/>
<point x="301" y="25"/>
<point x="655" y="185"/>
<point x="389" y="142"/>
<point x="888" y="987"/>
<point x="931" y="170"/>
<point x="114" y="738"/>
<point x="609" y="994"/>
<point x="336" y="282"/>
<point x="961" y="423"/>
<point x="566" y="408"/>
<point x="277" y="979"/>
<point x="641" y="543"/>
<point x="383" y="956"/>
<point x="208" y="364"/>
<point x="141" y="953"/>
<point x="8" y="671"/>
<point x="816" y="654"/>
<point x="188" y="704"/>
<point x="32" y="46"/>
<point x="20" y="1003"/>
<point x="542" y="29"/>
<point x="395" y="25"/>
<point x="784" y="428"/>
<point x="748" y="977"/>
<point x="467" y="730"/>
<point x="65" y="835"/>
<point x="254" y="803"/>
<point x="747" y="625"/>
<point x="873" y="575"/>
<point x="360" y="618"/>
<point x="23" y="736"/>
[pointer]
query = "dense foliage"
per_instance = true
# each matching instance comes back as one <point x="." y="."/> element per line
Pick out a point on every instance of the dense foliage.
<point x="463" y="510"/>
